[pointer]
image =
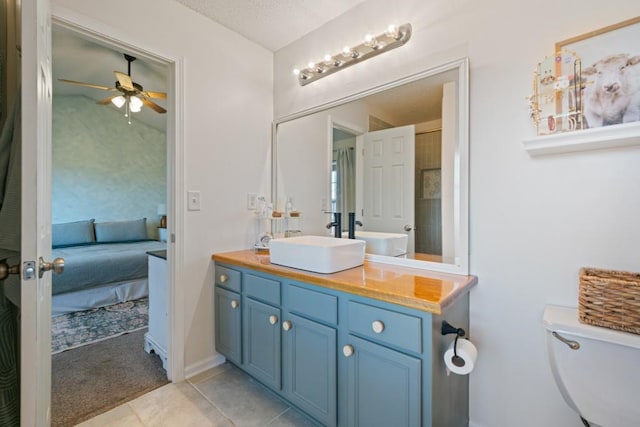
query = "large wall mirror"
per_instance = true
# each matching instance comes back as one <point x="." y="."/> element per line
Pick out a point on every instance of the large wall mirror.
<point x="396" y="156"/>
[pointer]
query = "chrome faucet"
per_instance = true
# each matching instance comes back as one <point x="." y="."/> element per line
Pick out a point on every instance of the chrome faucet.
<point x="336" y="224"/>
<point x="352" y="225"/>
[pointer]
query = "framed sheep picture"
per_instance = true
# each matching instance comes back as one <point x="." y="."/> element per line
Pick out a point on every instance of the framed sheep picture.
<point x="610" y="74"/>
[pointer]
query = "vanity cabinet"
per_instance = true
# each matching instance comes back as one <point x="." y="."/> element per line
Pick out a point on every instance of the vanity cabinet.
<point x="383" y="385"/>
<point x="343" y="359"/>
<point x="309" y="352"/>
<point x="228" y="320"/>
<point x="261" y="340"/>
<point x="228" y="323"/>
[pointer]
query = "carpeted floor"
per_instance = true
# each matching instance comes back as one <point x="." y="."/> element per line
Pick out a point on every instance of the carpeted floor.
<point x="89" y="380"/>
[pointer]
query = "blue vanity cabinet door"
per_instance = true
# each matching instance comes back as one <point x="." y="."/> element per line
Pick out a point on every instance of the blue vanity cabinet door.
<point x="309" y="367"/>
<point x="261" y="342"/>
<point x="383" y="386"/>
<point x="228" y="327"/>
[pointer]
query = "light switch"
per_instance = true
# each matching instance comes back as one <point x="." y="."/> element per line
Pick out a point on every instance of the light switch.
<point x="252" y="201"/>
<point x="193" y="200"/>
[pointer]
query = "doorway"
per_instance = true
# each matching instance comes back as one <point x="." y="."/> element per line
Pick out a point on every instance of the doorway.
<point x="112" y="166"/>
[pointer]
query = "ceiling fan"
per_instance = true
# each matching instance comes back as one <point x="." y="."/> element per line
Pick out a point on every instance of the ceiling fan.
<point x="132" y="95"/>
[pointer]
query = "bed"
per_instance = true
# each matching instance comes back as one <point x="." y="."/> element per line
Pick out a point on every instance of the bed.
<point x="105" y="263"/>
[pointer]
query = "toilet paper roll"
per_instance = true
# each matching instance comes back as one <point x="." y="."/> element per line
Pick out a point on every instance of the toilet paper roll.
<point x="466" y="360"/>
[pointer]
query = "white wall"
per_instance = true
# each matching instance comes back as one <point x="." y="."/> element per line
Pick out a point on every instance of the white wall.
<point x="227" y="110"/>
<point x="304" y="159"/>
<point x="533" y="221"/>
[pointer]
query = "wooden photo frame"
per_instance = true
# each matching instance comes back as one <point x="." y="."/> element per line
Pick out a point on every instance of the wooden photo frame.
<point x="610" y="74"/>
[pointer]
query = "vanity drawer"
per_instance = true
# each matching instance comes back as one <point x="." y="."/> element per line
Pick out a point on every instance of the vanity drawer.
<point x="261" y="288"/>
<point x="385" y="326"/>
<point x="227" y="278"/>
<point x="312" y="304"/>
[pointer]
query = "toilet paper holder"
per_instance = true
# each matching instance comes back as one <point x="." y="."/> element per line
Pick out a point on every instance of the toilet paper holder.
<point x="446" y="329"/>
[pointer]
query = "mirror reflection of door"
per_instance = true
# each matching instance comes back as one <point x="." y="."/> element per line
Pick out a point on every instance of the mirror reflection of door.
<point x="388" y="181"/>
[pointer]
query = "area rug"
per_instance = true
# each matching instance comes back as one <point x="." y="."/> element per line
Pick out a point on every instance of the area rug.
<point x="92" y="379"/>
<point x="84" y="327"/>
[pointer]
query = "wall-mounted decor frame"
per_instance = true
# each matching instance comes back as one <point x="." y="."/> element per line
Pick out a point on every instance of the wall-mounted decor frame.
<point x="610" y="73"/>
<point x="615" y="130"/>
<point x="431" y="180"/>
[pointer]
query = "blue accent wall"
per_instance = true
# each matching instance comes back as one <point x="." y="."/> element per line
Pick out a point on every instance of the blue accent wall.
<point x="104" y="168"/>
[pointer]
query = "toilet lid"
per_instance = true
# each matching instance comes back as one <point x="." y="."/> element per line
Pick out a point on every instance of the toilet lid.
<point x="565" y="319"/>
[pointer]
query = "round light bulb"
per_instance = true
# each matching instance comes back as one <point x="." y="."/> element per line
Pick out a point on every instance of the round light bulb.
<point x="311" y="65"/>
<point x="135" y="104"/>
<point x="327" y="58"/>
<point x="392" y="31"/>
<point x="296" y="72"/>
<point x="346" y="50"/>
<point x="118" y="101"/>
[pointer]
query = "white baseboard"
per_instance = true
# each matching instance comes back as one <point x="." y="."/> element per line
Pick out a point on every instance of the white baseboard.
<point x="202" y="365"/>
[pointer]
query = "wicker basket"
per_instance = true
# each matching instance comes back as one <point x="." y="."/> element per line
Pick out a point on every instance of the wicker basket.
<point x="610" y="299"/>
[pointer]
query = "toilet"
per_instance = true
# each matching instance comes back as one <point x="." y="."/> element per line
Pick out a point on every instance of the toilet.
<point x="600" y="380"/>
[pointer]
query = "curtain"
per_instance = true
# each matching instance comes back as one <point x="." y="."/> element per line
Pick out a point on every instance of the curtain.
<point x="10" y="199"/>
<point x="346" y="180"/>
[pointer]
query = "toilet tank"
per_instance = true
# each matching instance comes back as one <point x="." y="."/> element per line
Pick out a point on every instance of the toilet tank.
<point x="601" y="379"/>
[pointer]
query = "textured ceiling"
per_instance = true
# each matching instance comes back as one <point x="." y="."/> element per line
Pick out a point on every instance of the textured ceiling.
<point x="272" y="24"/>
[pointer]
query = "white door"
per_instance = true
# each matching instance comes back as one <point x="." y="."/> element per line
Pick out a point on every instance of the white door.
<point x="389" y="181"/>
<point x="35" y="348"/>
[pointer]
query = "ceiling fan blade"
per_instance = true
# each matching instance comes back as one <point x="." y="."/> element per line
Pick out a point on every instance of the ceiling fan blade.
<point x="125" y="81"/>
<point x="153" y="106"/>
<point x="156" y="95"/>
<point x="73" y="82"/>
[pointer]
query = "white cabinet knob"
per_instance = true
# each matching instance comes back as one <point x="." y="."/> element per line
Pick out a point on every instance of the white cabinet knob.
<point x="234" y="303"/>
<point x="348" y="350"/>
<point x="273" y="319"/>
<point x="377" y="326"/>
<point x="223" y="278"/>
<point x="286" y="325"/>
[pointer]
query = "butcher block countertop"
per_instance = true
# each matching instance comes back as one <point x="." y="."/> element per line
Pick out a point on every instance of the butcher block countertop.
<point x="410" y="287"/>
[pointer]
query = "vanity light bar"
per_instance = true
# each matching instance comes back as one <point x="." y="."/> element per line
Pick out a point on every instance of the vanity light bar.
<point x="372" y="46"/>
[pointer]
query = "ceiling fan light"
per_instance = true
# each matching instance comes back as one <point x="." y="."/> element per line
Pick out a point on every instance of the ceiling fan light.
<point x="135" y="104"/>
<point x="118" y="101"/>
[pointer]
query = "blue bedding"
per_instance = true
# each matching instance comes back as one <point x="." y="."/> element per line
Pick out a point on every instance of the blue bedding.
<point x="89" y="266"/>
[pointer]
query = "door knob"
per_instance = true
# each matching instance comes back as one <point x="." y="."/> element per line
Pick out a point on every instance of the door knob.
<point x="6" y="270"/>
<point x="286" y="325"/>
<point x="223" y="278"/>
<point x="234" y="304"/>
<point x="348" y="350"/>
<point x="57" y="266"/>
<point x="273" y="319"/>
<point x="407" y="227"/>
<point x="377" y="326"/>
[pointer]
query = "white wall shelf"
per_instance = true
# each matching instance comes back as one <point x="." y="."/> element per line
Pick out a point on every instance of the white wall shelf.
<point x="622" y="135"/>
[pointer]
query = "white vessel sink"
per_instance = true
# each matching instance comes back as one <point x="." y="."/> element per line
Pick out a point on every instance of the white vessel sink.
<point x="317" y="253"/>
<point x="377" y="243"/>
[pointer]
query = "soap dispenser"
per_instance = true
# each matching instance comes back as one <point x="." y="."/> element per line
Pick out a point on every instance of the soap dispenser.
<point x="288" y="207"/>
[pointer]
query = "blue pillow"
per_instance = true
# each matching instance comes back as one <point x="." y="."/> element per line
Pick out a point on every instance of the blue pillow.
<point x="72" y="233"/>
<point x="121" y="231"/>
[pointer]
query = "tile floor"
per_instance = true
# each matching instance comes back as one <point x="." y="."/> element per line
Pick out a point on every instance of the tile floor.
<point x="222" y="396"/>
